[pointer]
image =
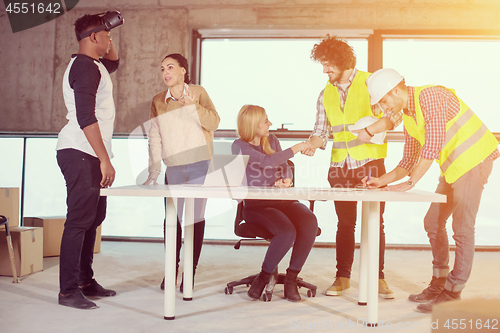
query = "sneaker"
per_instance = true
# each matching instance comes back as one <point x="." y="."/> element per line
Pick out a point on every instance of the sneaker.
<point x="339" y="285"/>
<point x="94" y="289"/>
<point x="444" y="296"/>
<point x="428" y="294"/>
<point x="384" y="291"/>
<point x="77" y="300"/>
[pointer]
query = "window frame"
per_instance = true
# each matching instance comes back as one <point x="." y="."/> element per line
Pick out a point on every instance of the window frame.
<point x="375" y="38"/>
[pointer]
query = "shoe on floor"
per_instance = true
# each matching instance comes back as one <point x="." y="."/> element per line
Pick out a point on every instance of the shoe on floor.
<point x="94" y="289"/>
<point x="162" y="284"/>
<point x="77" y="300"/>
<point x="384" y="291"/>
<point x="435" y="287"/>
<point x="444" y="296"/>
<point x="339" y="285"/>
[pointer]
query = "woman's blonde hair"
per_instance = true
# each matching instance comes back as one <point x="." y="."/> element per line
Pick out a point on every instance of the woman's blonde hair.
<point x="248" y="121"/>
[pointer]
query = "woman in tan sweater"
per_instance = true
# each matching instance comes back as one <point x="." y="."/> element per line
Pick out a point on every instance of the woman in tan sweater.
<point x="183" y="119"/>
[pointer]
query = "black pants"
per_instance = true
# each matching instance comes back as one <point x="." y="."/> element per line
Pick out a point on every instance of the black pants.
<point x="347" y="215"/>
<point x="199" y="233"/>
<point x="86" y="211"/>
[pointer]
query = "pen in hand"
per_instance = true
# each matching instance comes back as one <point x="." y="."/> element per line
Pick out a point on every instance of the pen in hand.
<point x="367" y="179"/>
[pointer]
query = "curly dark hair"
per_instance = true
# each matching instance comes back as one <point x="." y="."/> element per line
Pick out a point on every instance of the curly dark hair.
<point x="334" y="51"/>
<point x="182" y="62"/>
<point x="85" y="23"/>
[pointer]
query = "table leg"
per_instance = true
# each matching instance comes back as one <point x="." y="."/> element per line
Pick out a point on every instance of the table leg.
<point x="170" y="246"/>
<point x="188" y="249"/>
<point x="373" y="262"/>
<point x="363" y="256"/>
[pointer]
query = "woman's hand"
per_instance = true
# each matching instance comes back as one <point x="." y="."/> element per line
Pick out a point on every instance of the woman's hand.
<point x="283" y="183"/>
<point x="153" y="176"/>
<point x="189" y="98"/>
<point x="301" y="146"/>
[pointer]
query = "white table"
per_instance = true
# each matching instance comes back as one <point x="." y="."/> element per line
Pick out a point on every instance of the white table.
<point x="370" y="227"/>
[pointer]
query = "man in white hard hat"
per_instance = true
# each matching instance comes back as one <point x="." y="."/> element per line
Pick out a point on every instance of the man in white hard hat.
<point x="439" y="126"/>
<point x="343" y="102"/>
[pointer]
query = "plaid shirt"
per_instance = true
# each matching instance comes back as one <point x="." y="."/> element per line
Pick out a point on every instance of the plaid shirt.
<point x="322" y="127"/>
<point x="439" y="105"/>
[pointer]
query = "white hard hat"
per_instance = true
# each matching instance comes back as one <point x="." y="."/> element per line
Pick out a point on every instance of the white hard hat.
<point x="378" y="138"/>
<point x="381" y="82"/>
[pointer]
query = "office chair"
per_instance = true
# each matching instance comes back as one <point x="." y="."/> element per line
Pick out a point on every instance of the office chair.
<point x="254" y="231"/>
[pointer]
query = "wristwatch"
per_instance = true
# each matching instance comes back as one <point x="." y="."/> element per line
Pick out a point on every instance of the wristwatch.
<point x="410" y="183"/>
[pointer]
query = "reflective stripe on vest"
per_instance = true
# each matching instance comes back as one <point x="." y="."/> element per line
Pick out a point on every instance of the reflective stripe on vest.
<point x="468" y="142"/>
<point x="356" y="107"/>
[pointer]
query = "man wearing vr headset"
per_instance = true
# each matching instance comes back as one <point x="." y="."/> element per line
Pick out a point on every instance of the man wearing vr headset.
<point x="84" y="153"/>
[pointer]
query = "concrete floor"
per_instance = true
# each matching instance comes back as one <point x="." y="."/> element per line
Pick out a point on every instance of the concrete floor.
<point x="134" y="270"/>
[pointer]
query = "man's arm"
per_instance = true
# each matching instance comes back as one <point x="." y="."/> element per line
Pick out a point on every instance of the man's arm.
<point x="398" y="173"/>
<point x="381" y="125"/>
<point x="93" y="135"/>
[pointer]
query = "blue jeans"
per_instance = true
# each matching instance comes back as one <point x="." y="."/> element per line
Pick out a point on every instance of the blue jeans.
<point x="193" y="173"/>
<point x="291" y="224"/>
<point x="463" y="198"/>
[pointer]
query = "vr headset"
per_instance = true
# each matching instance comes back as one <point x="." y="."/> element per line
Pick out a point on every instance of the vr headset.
<point x="109" y="20"/>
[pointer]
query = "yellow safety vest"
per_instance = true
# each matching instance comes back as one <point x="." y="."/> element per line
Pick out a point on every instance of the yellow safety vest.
<point x="357" y="106"/>
<point x="468" y="142"/>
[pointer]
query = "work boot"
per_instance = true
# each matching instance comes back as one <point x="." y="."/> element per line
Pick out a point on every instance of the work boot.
<point x="444" y="296"/>
<point x="384" y="291"/>
<point x="428" y="294"/>
<point x="291" y="288"/>
<point x="258" y="285"/>
<point x="339" y="285"/>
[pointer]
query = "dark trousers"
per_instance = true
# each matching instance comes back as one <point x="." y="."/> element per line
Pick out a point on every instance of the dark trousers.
<point x="86" y="211"/>
<point x="291" y="223"/>
<point x="347" y="215"/>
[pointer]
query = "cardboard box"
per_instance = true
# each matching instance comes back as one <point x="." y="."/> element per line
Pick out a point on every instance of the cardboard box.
<point x="53" y="228"/>
<point x="468" y="315"/>
<point x="28" y="249"/>
<point x="9" y="205"/>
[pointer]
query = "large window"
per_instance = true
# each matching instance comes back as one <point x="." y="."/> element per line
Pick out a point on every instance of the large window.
<point x="276" y="74"/>
<point x="471" y="67"/>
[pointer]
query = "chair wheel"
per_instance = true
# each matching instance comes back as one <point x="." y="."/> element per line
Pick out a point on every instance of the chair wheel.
<point x="267" y="296"/>
<point x="311" y="293"/>
<point x="228" y="290"/>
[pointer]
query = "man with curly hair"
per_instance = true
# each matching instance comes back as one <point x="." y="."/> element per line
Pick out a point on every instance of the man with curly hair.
<point x="83" y="155"/>
<point x="341" y="103"/>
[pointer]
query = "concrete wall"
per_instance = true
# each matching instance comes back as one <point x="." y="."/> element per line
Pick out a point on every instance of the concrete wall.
<point x="33" y="61"/>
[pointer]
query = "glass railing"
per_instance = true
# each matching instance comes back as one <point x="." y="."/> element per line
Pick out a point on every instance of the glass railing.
<point x="45" y="192"/>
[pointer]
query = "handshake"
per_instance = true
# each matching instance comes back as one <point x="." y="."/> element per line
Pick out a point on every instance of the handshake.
<point x="305" y="147"/>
